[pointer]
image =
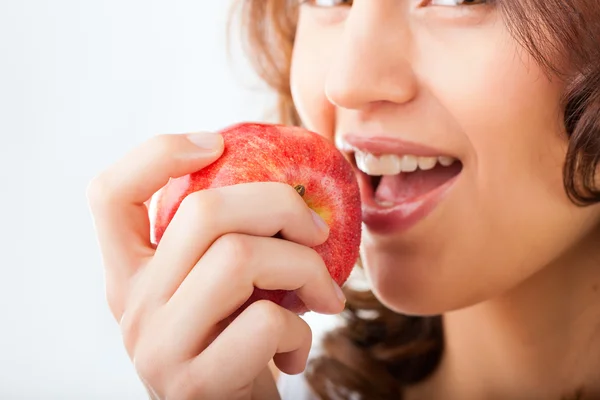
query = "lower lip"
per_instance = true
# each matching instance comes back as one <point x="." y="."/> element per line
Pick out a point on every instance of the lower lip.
<point x="402" y="216"/>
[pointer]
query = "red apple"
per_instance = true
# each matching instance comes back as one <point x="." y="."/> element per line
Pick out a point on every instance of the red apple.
<point x="276" y="153"/>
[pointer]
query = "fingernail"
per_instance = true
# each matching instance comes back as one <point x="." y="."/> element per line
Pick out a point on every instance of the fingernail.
<point x="338" y="291"/>
<point x="320" y="222"/>
<point x="209" y="141"/>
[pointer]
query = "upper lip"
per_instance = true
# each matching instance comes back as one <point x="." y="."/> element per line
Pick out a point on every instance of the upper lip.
<point x="385" y="144"/>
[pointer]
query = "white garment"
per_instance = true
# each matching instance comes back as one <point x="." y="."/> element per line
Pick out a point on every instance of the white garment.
<point x="294" y="387"/>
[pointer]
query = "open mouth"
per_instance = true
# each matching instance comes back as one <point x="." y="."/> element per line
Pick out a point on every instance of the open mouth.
<point x="394" y="180"/>
<point x="400" y="182"/>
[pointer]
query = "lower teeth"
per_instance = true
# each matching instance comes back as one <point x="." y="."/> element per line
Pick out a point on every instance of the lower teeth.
<point x="384" y="203"/>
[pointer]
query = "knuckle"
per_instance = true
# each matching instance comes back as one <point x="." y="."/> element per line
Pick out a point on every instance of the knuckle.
<point x="188" y="385"/>
<point x="149" y="362"/>
<point x="130" y="328"/>
<point x="201" y="206"/>
<point x="291" y="194"/>
<point x="99" y="190"/>
<point x="294" y="203"/>
<point x="267" y="317"/>
<point x="236" y="250"/>
<point x="317" y="265"/>
<point x="135" y="322"/>
<point x="316" y="259"/>
<point x="114" y="299"/>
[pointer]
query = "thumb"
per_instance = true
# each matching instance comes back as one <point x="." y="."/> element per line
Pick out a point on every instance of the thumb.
<point x="192" y="152"/>
<point x="146" y="169"/>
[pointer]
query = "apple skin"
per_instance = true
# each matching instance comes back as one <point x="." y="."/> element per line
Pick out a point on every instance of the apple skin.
<point x="258" y="152"/>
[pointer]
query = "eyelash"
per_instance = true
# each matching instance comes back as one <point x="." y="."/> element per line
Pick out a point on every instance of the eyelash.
<point x="332" y="3"/>
<point x="336" y="3"/>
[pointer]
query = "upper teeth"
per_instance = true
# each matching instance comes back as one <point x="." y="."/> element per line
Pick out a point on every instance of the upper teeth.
<point x="391" y="164"/>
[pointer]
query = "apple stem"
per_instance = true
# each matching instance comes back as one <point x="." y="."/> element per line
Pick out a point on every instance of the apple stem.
<point x="300" y="189"/>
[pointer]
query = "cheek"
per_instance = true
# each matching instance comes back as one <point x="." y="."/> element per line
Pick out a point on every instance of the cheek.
<point x="508" y="217"/>
<point x="509" y="112"/>
<point x="312" y="54"/>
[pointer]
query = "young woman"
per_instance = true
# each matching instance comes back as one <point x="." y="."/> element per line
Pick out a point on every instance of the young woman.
<point x="481" y="243"/>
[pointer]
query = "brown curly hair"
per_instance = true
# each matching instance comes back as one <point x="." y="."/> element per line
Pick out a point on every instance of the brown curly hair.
<point x="378" y="352"/>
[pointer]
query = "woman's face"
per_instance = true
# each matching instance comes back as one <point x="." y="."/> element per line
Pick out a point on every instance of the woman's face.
<point x="429" y="78"/>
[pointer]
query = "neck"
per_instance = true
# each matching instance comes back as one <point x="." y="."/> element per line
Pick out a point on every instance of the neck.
<point x="540" y="341"/>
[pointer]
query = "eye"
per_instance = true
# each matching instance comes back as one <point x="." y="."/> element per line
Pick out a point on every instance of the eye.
<point x="327" y="3"/>
<point x="457" y="2"/>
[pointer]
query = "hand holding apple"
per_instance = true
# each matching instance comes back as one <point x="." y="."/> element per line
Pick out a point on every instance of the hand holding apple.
<point x="291" y="155"/>
<point x="186" y="307"/>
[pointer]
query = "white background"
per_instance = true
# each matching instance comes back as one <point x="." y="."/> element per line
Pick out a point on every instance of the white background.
<point x="81" y="82"/>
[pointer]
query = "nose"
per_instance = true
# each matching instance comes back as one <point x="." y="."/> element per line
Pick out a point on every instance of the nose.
<point x="372" y="64"/>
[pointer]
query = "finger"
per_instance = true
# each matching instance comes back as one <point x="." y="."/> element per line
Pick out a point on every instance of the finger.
<point x="226" y="277"/>
<point x="117" y="195"/>
<point x="261" y="209"/>
<point x="265" y="386"/>
<point x="248" y="344"/>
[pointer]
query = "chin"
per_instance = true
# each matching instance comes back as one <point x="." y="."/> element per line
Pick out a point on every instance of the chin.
<point x="401" y="299"/>
<point x="415" y="285"/>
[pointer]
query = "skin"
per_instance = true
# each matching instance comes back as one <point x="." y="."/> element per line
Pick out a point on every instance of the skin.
<point x="508" y="260"/>
<point x="506" y="257"/>
<point x="186" y="343"/>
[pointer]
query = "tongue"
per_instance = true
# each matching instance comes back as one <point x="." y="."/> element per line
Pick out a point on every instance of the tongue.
<point x="409" y="186"/>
